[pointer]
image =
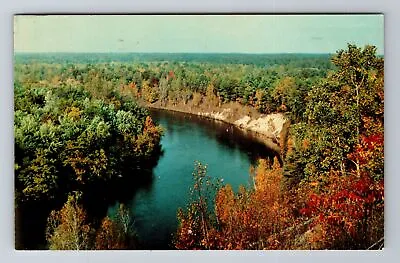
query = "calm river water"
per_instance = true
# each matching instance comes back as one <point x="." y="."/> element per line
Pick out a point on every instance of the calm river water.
<point x="227" y="151"/>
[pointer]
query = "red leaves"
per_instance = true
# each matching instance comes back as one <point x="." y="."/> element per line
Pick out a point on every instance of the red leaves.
<point x="345" y="204"/>
<point x="367" y="148"/>
<point x="373" y="140"/>
<point x="170" y="75"/>
<point x="314" y="201"/>
<point x="305" y="211"/>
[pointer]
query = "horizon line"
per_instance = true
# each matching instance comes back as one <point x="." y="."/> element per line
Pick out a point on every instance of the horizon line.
<point x="165" y="52"/>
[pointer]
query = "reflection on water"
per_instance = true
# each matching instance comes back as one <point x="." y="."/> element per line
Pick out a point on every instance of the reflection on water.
<point x="227" y="151"/>
<point x="154" y="195"/>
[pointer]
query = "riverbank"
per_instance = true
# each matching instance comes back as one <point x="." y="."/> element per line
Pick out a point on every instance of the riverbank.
<point x="268" y="128"/>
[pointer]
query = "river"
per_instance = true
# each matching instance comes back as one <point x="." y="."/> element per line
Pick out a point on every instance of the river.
<point x="227" y="151"/>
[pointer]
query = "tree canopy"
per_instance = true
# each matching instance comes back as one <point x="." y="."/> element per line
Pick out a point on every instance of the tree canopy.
<point x="335" y="156"/>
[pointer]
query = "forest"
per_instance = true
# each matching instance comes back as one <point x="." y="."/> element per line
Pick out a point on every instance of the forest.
<point x="81" y="125"/>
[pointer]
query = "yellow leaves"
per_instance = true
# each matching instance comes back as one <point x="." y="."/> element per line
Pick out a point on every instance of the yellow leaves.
<point x="259" y="95"/>
<point x="315" y="237"/>
<point x="282" y="91"/>
<point x="149" y="93"/>
<point x="82" y="164"/>
<point x="268" y="178"/>
<point x="98" y="163"/>
<point x="78" y="162"/>
<point x="67" y="229"/>
<point x="74" y="113"/>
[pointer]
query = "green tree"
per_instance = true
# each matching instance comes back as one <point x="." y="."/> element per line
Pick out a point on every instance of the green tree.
<point x="75" y="134"/>
<point x="339" y="112"/>
<point x="163" y="88"/>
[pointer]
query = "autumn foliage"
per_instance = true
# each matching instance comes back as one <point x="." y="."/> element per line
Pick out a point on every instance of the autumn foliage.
<point x="250" y="219"/>
<point x="116" y="233"/>
<point x="70" y="228"/>
<point x="334" y="160"/>
<point x="78" y="127"/>
<point x="348" y="211"/>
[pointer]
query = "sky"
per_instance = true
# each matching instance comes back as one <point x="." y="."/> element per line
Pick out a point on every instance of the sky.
<point x="197" y="33"/>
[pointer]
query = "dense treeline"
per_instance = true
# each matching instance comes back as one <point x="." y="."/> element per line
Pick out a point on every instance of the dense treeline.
<point x="330" y="192"/>
<point x="67" y="134"/>
<point x="76" y="135"/>
<point x="77" y="125"/>
<point x="279" y="83"/>
<point x="267" y="89"/>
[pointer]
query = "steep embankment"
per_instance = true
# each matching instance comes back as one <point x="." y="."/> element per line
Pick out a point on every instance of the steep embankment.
<point x="267" y="127"/>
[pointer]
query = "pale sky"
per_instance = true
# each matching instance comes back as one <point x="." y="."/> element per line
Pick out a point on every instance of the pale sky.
<point x="200" y="33"/>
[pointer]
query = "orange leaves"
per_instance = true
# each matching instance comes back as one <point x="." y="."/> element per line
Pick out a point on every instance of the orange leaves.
<point x="148" y="124"/>
<point x="268" y="178"/>
<point x="249" y="219"/>
<point x="147" y="141"/>
<point x="111" y="236"/>
<point x="188" y="234"/>
<point x="151" y="129"/>
<point x="224" y="202"/>
<point x="107" y="237"/>
<point x="306" y="143"/>
<point x="337" y="213"/>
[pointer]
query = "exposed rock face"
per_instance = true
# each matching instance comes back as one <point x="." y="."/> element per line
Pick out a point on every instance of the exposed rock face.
<point x="222" y="116"/>
<point x="270" y="125"/>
